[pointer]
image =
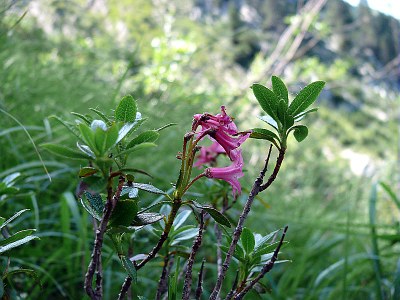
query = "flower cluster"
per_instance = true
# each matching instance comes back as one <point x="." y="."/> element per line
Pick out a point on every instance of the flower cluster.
<point x="227" y="139"/>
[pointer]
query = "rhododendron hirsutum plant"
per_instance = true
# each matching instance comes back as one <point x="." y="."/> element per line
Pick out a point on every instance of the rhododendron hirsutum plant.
<point x="109" y="191"/>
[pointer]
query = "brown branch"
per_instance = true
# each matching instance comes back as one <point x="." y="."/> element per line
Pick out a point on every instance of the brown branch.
<point x="218" y="235"/>
<point x="278" y="164"/>
<point x="199" y="289"/>
<point x="267" y="267"/>
<point x="238" y="230"/>
<point x="95" y="262"/>
<point x="128" y="281"/>
<point x="196" y="246"/>
<point x="162" y="283"/>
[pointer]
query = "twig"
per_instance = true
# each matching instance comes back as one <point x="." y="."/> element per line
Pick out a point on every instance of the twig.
<point x="199" y="289"/>
<point x="218" y="235"/>
<point x="278" y="164"/>
<point x="267" y="267"/>
<point x="125" y="287"/>
<point x="95" y="262"/>
<point x="128" y="281"/>
<point x="196" y="246"/>
<point x="162" y="283"/>
<point x="238" y="230"/>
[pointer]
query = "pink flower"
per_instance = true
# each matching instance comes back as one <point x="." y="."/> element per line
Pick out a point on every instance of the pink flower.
<point x="209" y="154"/>
<point x="222" y="128"/>
<point x="231" y="173"/>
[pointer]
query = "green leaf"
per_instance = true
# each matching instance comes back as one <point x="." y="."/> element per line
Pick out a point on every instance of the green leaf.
<point x="238" y="253"/>
<point x="263" y="241"/>
<point x="126" y="110"/>
<point x="129" y="267"/>
<point x="305" y="98"/>
<point x="146" y="219"/>
<point x="185" y="235"/>
<point x="271" y="122"/>
<point x="101" y="115"/>
<point x="87" y="135"/>
<point x="181" y="218"/>
<point x="264" y="134"/>
<point x="111" y="136"/>
<point x="87" y="171"/>
<point x="16" y="215"/>
<point x="282" y="112"/>
<point x="267" y="248"/>
<point x="166" y="126"/>
<point x="94" y="184"/>
<point x="82" y="117"/>
<point x="136" y="148"/>
<point x="121" y="229"/>
<point x="67" y="125"/>
<point x="280" y="89"/>
<point x="94" y="204"/>
<point x="147" y="136"/>
<point x="289" y="120"/>
<point x="17" y="236"/>
<point x="304" y="113"/>
<point x="17" y="243"/>
<point x="300" y="132"/>
<point x="267" y="99"/>
<point x="217" y="216"/>
<point x="148" y="188"/>
<point x="86" y="150"/>
<point x="100" y="140"/>
<point x="174" y="231"/>
<point x="124" y="213"/>
<point x="129" y="192"/>
<point x="127" y="129"/>
<point x="65" y="151"/>
<point x="248" y="241"/>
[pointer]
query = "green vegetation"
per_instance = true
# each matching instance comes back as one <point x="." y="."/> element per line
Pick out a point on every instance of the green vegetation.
<point x="337" y="190"/>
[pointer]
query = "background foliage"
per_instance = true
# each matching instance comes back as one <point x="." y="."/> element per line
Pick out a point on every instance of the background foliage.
<point x="178" y="58"/>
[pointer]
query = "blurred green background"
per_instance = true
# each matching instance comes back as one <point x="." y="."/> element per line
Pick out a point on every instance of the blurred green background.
<point x="183" y="57"/>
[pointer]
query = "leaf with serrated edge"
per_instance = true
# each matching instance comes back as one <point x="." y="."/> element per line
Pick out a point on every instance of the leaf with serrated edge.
<point x="147" y="218"/>
<point x="305" y="98"/>
<point x="148" y="188"/>
<point x="126" y="110"/>
<point x="129" y="267"/>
